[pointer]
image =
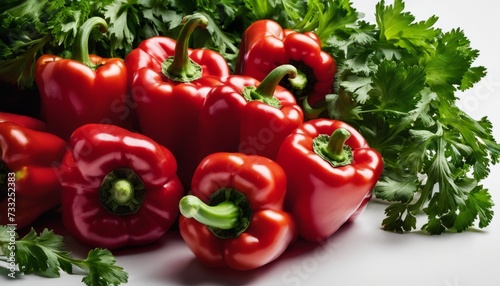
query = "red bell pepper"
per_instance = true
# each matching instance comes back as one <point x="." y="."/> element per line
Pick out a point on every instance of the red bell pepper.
<point x="86" y="89"/>
<point x="29" y="185"/>
<point x="234" y="216"/>
<point x="120" y="188"/>
<point x="23" y="120"/>
<point x="248" y="116"/>
<point x="169" y="83"/>
<point x="331" y="172"/>
<point x="266" y="45"/>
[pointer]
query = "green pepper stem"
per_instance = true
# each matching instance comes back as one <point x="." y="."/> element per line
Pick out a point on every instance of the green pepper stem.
<point x="122" y="191"/>
<point x="265" y="91"/>
<point x="180" y="67"/>
<point x="311" y="112"/>
<point x="299" y="82"/>
<point x="225" y="215"/>
<point x="333" y="148"/>
<point x="81" y="47"/>
<point x="268" y="85"/>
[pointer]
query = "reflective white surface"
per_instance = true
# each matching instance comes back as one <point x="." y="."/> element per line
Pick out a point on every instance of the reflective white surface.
<point x="360" y="253"/>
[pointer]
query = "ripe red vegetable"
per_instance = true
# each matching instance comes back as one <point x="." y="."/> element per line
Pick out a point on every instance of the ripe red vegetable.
<point x="265" y="45"/>
<point x="120" y="188"/>
<point x="331" y="172"/>
<point x="86" y="89"/>
<point x="234" y="216"/>
<point x="169" y="83"/>
<point x="29" y="185"/>
<point x="23" y="120"/>
<point x="248" y="116"/>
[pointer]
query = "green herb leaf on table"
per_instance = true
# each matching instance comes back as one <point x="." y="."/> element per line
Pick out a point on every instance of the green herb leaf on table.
<point x="44" y="255"/>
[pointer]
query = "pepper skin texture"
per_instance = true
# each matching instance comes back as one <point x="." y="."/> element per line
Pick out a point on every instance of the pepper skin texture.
<point x="322" y="197"/>
<point x="29" y="185"/>
<point x="260" y="185"/>
<point x="169" y="100"/>
<point x="248" y="116"/>
<point x="120" y="188"/>
<point x="23" y="120"/>
<point x="266" y="45"/>
<point x="87" y="89"/>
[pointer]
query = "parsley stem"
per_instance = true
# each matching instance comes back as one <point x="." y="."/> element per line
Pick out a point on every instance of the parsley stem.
<point x="383" y="111"/>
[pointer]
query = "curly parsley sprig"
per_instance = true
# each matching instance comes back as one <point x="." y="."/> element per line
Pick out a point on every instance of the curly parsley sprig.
<point x="43" y="254"/>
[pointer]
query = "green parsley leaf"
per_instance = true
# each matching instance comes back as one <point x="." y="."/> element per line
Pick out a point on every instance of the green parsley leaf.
<point x="398" y="188"/>
<point x="451" y="50"/>
<point x="397" y="87"/>
<point x="398" y="218"/>
<point x="43" y="254"/>
<point x="124" y="17"/>
<point x="400" y="29"/>
<point x="102" y="270"/>
<point x="23" y="37"/>
<point x="265" y="9"/>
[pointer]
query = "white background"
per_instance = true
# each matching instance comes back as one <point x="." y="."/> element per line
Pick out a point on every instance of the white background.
<point x="361" y="253"/>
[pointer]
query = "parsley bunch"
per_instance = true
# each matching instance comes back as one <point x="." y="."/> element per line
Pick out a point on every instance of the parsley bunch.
<point x="30" y="28"/>
<point x="397" y="83"/>
<point x="43" y="254"/>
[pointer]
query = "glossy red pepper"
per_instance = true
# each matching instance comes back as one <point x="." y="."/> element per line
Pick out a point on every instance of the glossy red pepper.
<point x="248" y="116"/>
<point x="120" y="188"/>
<point x="86" y="89"/>
<point x="234" y="216"/>
<point x="29" y="185"/>
<point x="169" y="83"/>
<point x="23" y="120"/>
<point x="266" y="45"/>
<point x="331" y="172"/>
